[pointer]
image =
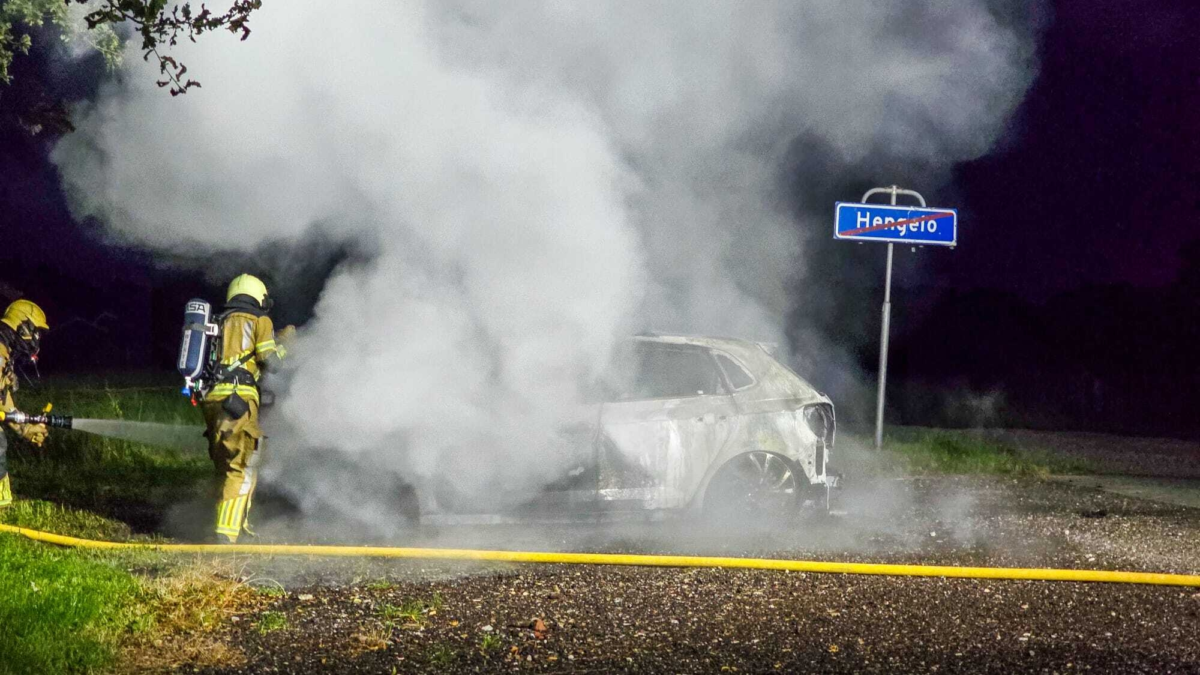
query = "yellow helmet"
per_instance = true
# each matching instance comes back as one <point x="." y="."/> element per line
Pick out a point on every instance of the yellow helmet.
<point x="247" y="284"/>
<point x="25" y="310"/>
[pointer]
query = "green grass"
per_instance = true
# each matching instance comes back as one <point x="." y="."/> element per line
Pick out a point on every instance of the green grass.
<point x="50" y="517"/>
<point x="928" y="451"/>
<point x="414" y="610"/>
<point x="98" y="399"/>
<point x="272" y="589"/>
<point x="62" y="610"/>
<point x="442" y="655"/>
<point x="74" y="610"/>
<point x="387" y="611"/>
<point x="272" y="621"/>
<point x="490" y="642"/>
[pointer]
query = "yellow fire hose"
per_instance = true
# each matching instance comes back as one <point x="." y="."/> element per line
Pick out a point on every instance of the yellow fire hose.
<point x="624" y="559"/>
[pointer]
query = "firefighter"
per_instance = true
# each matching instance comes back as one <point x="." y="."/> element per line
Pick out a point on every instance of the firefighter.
<point x="247" y="347"/>
<point x="20" y="337"/>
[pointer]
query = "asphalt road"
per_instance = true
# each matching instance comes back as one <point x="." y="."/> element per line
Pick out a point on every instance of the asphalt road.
<point x="359" y="616"/>
<point x="1118" y="455"/>
<point x="1182" y="491"/>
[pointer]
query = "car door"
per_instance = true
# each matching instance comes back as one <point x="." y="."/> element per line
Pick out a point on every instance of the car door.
<point x="661" y="433"/>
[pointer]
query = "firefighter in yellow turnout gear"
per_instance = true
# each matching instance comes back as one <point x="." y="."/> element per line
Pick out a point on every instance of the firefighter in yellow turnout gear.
<point x="248" y="347"/>
<point x="20" y="336"/>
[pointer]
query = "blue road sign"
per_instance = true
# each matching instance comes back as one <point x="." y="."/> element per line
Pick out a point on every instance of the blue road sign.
<point x="898" y="224"/>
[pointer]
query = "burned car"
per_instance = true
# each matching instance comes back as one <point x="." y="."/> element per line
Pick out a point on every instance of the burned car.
<point x="700" y="423"/>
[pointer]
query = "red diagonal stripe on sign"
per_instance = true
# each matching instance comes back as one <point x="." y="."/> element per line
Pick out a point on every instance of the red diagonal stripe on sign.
<point x="898" y="223"/>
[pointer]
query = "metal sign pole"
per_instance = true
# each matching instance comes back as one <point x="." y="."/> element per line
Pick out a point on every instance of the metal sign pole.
<point x="884" y="329"/>
<point x="884" y="333"/>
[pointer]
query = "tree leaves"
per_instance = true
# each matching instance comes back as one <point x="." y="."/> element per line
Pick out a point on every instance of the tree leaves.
<point x="158" y="28"/>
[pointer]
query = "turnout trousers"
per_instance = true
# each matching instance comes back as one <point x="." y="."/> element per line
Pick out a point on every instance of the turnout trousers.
<point x="5" y="483"/>
<point x="234" y="445"/>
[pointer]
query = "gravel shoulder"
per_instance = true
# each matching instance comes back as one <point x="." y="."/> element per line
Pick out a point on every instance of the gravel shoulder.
<point x="429" y="616"/>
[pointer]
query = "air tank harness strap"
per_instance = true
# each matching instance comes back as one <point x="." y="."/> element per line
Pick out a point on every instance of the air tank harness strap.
<point x="240" y="376"/>
<point x="230" y="377"/>
<point x="234" y="373"/>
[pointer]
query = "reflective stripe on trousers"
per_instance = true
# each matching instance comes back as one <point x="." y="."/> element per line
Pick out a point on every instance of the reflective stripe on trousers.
<point x="232" y="514"/>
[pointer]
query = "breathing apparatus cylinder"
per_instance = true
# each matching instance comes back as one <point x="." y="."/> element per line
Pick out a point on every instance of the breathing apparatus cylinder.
<point x="198" y="331"/>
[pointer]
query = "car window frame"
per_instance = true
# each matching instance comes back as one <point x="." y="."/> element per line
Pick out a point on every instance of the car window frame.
<point x="728" y="381"/>
<point x="706" y="352"/>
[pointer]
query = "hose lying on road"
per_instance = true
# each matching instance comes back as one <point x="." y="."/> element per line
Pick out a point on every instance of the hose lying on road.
<point x="624" y="559"/>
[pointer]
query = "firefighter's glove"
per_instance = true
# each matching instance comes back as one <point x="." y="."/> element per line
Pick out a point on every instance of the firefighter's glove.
<point x="34" y="433"/>
<point x="286" y="336"/>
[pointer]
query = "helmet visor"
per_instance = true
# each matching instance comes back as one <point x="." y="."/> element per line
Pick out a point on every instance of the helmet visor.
<point x="31" y="339"/>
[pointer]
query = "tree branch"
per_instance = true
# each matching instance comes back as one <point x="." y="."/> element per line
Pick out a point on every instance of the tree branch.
<point x="158" y="28"/>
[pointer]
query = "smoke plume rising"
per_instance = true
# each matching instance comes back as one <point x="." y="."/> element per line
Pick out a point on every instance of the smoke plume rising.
<point x="532" y="180"/>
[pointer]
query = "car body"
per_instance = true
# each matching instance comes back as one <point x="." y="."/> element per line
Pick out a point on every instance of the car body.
<point x="696" y="423"/>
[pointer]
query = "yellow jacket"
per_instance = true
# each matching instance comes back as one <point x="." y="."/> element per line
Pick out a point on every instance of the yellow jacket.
<point x="248" y="347"/>
<point x="8" y="379"/>
<point x="35" y="433"/>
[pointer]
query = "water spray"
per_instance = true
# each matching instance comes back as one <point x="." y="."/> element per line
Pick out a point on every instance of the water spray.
<point x="177" y="436"/>
<point x="189" y="438"/>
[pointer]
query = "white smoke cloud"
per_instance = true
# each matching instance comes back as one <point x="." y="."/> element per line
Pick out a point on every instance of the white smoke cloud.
<point x="533" y="178"/>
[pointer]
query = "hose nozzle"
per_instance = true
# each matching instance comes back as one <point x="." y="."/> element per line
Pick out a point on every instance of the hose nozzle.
<point x="57" y="421"/>
<point x="18" y="417"/>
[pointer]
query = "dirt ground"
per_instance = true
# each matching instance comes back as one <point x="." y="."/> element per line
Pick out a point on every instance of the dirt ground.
<point x="384" y="617"/>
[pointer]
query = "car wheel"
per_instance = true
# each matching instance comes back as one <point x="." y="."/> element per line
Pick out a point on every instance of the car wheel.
<point x="754" y="485"/>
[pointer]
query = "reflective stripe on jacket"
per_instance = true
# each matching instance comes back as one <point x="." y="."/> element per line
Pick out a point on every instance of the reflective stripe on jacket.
<point x="248" y="339"/>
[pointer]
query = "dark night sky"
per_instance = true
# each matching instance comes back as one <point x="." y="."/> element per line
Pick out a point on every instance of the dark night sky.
<point x="1097" y="181"/>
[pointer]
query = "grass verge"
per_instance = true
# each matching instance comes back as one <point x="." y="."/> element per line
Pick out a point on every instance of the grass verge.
<point x="62" y="611"/>
<point x="931" y="451"/>
<point x="67" y="610"/>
